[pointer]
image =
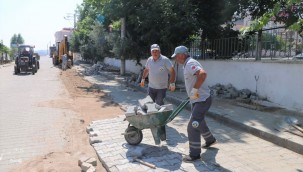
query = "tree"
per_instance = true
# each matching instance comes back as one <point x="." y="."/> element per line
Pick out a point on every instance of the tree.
<point x="166" y="22"/>
<point x="288" y="12"/>
<point x="211" y="15"/>
<point x="16" y="39"/>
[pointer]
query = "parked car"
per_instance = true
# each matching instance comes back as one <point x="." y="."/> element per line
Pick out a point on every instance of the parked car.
<point x="298" y="57"/>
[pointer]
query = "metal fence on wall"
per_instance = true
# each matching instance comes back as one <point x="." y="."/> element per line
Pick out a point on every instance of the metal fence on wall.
<point x="274" y="44"/>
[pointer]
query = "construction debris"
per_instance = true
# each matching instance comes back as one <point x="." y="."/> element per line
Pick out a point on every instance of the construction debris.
<point x="146" y="107"/>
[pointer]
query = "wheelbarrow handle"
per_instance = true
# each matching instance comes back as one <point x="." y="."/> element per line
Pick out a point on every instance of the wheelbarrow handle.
<point x="298" y="128"/>
<point x="176" y="112"/>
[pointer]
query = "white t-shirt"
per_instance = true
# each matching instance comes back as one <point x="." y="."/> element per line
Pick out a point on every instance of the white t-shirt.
<point x="191" y="66"/>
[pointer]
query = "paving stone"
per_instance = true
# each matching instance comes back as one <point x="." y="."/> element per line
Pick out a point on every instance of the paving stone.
<point x="94" y="139"/>
<point x="140" y="111"/>
<point x="131" y="110"/>
<point x="151" y="108"/>
<point x="144" y="101"/>
<point x="91" y="169"/>
<point x="94" y="133"/>
<point x="81" y="160"/>
<point x="89" y="129"/>
<point x="85" y="166"/>
<point x="92" y="161"/>
<point x="168" y="106"/>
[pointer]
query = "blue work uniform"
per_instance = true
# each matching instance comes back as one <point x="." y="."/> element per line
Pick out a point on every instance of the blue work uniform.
<point x="197" y="125"/>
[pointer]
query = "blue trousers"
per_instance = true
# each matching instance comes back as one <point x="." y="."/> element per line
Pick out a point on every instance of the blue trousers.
<point x="197" y="126"/>
<point x="157" y="95"/>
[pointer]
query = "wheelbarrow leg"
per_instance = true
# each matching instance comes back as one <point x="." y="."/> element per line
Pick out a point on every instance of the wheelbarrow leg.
<point x="162" y="131"/>
<point x="158" y="134"/>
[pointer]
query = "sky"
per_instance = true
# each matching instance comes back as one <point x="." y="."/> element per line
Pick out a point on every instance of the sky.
<point x="36" y="20"/>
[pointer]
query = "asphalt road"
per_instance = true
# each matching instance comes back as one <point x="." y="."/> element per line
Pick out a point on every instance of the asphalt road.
<point x="29" y="124"/>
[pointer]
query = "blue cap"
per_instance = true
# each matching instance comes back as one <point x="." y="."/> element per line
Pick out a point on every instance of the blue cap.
<point x="180" y="50"/>
<point x="154" y="47"/>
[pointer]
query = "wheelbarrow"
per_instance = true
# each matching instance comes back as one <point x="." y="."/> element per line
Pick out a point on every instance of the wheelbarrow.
<point x="133" y="134"/>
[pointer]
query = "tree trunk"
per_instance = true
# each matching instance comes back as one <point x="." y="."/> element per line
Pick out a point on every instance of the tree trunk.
<point x="259" y="45"/>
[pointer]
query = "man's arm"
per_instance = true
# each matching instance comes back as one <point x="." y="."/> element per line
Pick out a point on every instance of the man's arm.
<point x="201" y="76"/>
<point x="145" y="73"/>
<point x="172" y="78"/>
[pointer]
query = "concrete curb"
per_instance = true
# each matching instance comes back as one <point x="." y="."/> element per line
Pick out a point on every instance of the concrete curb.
<point x="288" y="144"/>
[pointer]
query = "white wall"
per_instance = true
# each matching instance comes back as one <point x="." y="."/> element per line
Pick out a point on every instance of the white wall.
<point x="130" y="64"/>
<point x="281" y="82"/>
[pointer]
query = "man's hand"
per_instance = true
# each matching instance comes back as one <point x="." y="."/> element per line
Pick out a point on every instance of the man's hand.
<point x="194" y="94"/>
<point x="172" y="86"/>
<point x="142" y="82"/>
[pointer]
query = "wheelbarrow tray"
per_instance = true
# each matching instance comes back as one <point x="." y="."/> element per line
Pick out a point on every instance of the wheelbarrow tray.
<point x="150" y="120"/>
<point x="155" y="121"/>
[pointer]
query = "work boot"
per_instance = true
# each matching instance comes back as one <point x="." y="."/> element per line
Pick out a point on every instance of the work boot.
<point x="208" y="144"/>
<point x="189" y="158"/>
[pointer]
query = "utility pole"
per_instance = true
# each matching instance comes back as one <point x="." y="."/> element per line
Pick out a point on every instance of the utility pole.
<point x="122" y="68"/>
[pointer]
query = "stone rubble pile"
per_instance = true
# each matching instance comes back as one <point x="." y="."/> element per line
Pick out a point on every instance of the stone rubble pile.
<point x="230" y="92"/>
<point x="146" y="107"/>
<point x="100" y="66"/>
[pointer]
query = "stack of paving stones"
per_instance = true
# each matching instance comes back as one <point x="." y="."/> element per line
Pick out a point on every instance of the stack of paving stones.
<point x="87" y="164"/>
<point x="146" y="107"/>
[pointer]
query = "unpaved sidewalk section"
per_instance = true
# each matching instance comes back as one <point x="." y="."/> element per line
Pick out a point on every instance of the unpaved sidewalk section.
<point x="89" y="103"/>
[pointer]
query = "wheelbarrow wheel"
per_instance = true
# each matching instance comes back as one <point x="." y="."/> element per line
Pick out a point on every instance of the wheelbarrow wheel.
<point x="133" y="135"/>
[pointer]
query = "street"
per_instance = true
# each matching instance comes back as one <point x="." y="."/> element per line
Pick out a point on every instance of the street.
<point x="27" y="129"/>
<point x="43" y="119"/>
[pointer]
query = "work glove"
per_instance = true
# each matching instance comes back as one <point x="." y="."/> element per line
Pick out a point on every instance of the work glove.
<point x="142" y="82"/>
<point x="172" y="86"/>
<point x="194" y="94"/>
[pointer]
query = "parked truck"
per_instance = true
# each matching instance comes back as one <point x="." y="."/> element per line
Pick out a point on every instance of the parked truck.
<point x="62" y="48"/>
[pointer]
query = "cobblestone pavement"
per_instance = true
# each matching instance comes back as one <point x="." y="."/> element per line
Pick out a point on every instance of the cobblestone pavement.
<point x="236" y="150"/>
<point x="26" y="128"/>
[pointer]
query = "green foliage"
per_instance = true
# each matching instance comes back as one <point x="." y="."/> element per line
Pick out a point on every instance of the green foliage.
<point x="272" y="42"/>
<point x="288" y="12"/>
<point x="99" y="41"/>
<point x="168" y="23"/>
<point x="3" y="48"/>
<point x="211" y="15"/>
<point x="17" y="39"/>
